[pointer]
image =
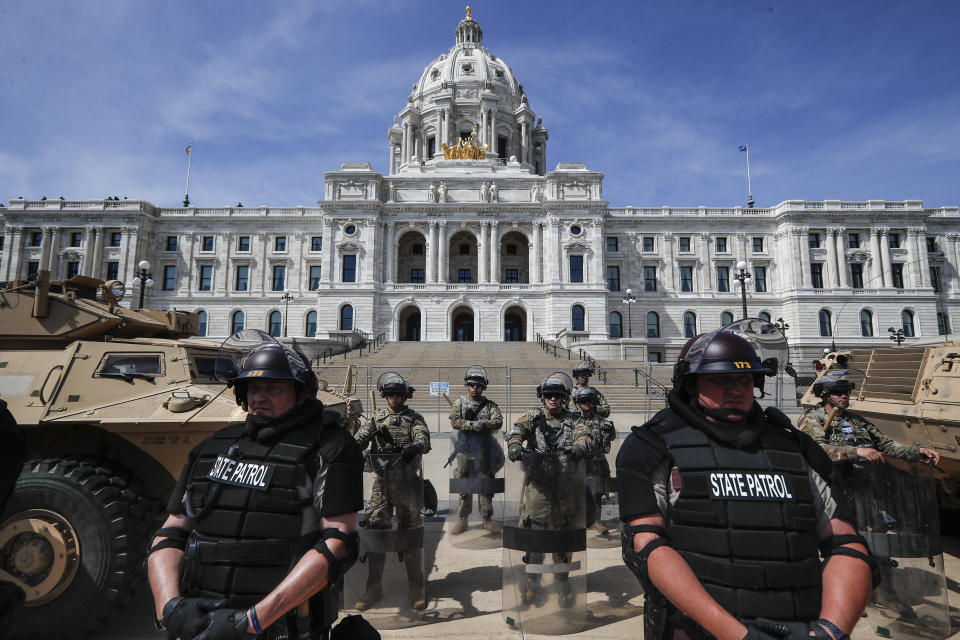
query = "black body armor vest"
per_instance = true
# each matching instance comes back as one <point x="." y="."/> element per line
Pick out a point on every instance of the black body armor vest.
<point x="745" y="521"/>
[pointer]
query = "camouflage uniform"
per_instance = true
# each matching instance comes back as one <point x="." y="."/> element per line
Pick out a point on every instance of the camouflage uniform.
<point x="478" y="455"/>
<point x="848" y="432"/>
<point x="602" y="433"/>
<point x="602" y="408"/>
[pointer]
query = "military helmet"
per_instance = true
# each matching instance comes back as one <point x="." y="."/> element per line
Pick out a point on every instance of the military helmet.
<point x="393" y="382"/>
<point x="556" y="382"/>
<point x="838" y="381"/>
<point x="476" y="373"/>
<point x="584" y="368"/>
<point x="584" y="394"/>
<point x="273" y="361"/>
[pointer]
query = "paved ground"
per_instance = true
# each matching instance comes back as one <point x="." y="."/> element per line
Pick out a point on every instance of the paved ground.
<point x="465" y="597"/>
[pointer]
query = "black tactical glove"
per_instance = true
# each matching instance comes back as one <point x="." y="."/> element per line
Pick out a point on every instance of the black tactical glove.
<point x="227" y="624"/>
<point x="753" y="633"/>
<point x="515" y="452"/>
<point x="790" y="630"/>
<point x="410" y="452"/>
<point x="575" y="451"/>
<point x="186" y="617"/>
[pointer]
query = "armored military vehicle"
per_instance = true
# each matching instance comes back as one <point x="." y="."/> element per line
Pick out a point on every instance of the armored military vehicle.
<point x="912" y="394"/>
<point x="111" y="400"/>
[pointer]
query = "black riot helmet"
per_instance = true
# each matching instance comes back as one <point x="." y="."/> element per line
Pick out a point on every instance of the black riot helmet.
<point x="584" y="368"/>
<point x="585" y="394"/>
<point x="556" y="382"/>
<point x="393" y="382"/>
<point x="269" y="360"/>
<point x="476" y="373"/>
<point x="837" y="381"/>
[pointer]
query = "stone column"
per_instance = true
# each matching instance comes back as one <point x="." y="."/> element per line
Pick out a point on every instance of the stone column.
<point x="831" y="274"/>
<point x="442" y="267"/>
<point x="954" y="256"/>
<point x="876" y="261"/>
<point x="259" y="285"/>
<point x="841" y="259"/>
<point x="483" y="258"/>
<point x="407" y="141"/>
<point x="493" y="131"/>
<point x="803" y="245"/>
<point x="495" y="252"/>
<point x="707" y="267"/>
<point x="483" y="127"/>
<point x="535" y="253"/>
<point x="885" y="255"/>
<point x="524" y="146"/>
<point x="920" y="259"/>
<point x="187" y="277"/>
<point x="86" y="266"/>
<point x="670" y="266"/>
<point x="555" y="254"/>
<point x="431" y="253"/>
<point x="326" y="273"/>
<point x="97" y="270"/>
<point x="128" y="256"/>
<point x="45" y="241"/>
<point x="11" y="242"/>
<point x="223" y="258"/>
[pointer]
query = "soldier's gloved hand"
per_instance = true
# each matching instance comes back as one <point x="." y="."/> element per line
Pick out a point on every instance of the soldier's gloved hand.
<point x="515" y="452"/>
<point x="784" y="630"/>
<point x="410" y="452"/>
<point x="186" y="617"/>
<point x="226" y="624"/>
<point x="575" y="451"/>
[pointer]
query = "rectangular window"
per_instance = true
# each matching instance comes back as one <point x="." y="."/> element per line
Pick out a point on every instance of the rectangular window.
<point x="2" y="238"/>
<point x="242" y="280"/>
<point x="932" y="245"/>
<point x="648" y="244"/>
<point x="280" y="243"/>
<point x="32" y="268"/>
<point x="853" y="240"/>
<point x="170" y="277"/>
<point x="316" y="243"/>
<point x="816" y="275"/>
<point x="684" y="244"/>
<point x="36" y="238"/>
<point x="243" y="243"/>
<point x="649" y="278"/>
<point x="315" y="272"/>
<point x="113" y="270"/>
<point x="654" y="356"/>
<point x="349" y="268"/>
<point x="279" y="277"/>
<point x="723" y="279"/>
<point x="613" y="243"/>
<point x="760" y="279"/>
<point x="463" y="276"/>
<point x="115" y="237"/>
<point x="856" y="275"/>
<point x="576" y="268"/>
<point x="896" y="270"/>
<point x="512" y="276"/>
<point x="721" y="244"/>
<point x="758" y="244"/>
<point x="73" y="269"/>
<point x="935" y="279"/>
<point x="76" y="238"/>
<point x="206" y="243"/>
<point x="813" y="239"/>
<point x="171" y="243"/>
<point x="893" y="240"/>
<point x="686" y="279"/>
<point x="613" y="278"/>
<point x="206" y="278"/>
<point x="416" y="276"/>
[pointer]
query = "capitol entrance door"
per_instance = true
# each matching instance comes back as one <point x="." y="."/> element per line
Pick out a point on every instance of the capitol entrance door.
<point x="410" y="324"/>
<point x="515" y="325"/>
<point x="462" y="325"/>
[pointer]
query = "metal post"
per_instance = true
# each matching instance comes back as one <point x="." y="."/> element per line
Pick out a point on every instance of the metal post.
<point x="743" y="277"/>
<point x="629" y="299"/>
<point x="286" y="297"/>
<point x="144" y="278"/>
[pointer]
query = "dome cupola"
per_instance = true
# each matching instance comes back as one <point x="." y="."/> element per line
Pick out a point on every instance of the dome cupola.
<point x="468" y="31"/>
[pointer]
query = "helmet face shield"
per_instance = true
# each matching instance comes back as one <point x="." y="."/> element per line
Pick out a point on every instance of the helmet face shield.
<point x="393" y="382"/>
<point x="263" y="358"/>
<point x="585" y="394"/>
<point x="556" y="382"/>
<point x="839" y="381"/>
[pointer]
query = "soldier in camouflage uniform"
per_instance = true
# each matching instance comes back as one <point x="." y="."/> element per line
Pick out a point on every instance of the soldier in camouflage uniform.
<point x="400" y="430"/>
<point x="582" y="374"/>
<point x="602" y="434"/>
<point x="477" y="453"/>
<point x="550" y="429"/>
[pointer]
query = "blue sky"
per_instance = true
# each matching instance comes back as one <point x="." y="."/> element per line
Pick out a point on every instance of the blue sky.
<point x="840" y="100"/>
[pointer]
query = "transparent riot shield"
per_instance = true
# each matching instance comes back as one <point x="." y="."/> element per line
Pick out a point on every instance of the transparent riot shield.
<point x="476" y="489"/>
<point x="896" y="507"/>
<point x="602" y="510"/>
<point x="389" y="577"/>
<point x="544" y="545"/>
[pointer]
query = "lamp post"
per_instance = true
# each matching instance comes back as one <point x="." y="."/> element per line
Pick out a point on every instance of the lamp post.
<point x="629" y="299"/>
<point x="743" y="277"/>
<point x="144" y="278"/>
<point x="286" y="297"/>
<point x="896" y="335"/>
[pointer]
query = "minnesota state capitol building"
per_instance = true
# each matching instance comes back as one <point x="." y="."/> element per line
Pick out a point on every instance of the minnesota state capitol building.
<point x="471" y="237"/>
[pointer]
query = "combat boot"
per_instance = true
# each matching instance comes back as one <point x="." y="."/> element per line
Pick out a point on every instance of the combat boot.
<point x="414" y="563"/>
<point x="531" y="592"/>
<point x="374" y="590"/>
<point x="458" y="527"/>
<point x="490" y="526"/>
<point x="599" y="528"/>
<point x="566" y="594"/>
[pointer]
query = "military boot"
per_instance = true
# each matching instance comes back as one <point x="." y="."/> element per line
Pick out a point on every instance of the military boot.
<point x="374" y="590"/>
<point x="566" y="594"/>
<point x="532" y="591"/>
<point x="490" y="526"/>
<point x="414" y="563"/>
<point x="458" y="527"/>
<point x="599" y="528"/>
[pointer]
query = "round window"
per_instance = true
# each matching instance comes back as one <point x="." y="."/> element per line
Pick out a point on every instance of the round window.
<point x="575" y="230"/>
<point x="350" y="230"/>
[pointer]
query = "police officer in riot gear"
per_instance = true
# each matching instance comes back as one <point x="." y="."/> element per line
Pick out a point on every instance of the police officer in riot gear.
<point x="397" y="429"/>
<point x="582" y="373"/>
<point x="542" y="437"/>
<point x="263" y="519"/>
<point x="724" y="506"/>
<point x="476" y="453"/>
<point x="602" y="434"/>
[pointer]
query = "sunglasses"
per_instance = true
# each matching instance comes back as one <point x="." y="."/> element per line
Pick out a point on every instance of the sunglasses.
<point x="552" y="396"/>
<point x="393" y="395"/>
<point x="474" y="385"/>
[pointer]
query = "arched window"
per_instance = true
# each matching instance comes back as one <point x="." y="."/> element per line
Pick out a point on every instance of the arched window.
<point x="577" y="318"/>
<point x="825" y="328"/>
<point x="726" y="318"/>
<point x="653" y="325"/>
<point x="616" y="325"/>
<point x="943" y="323"/>
<point x="236" y="322"/>
<point x="866" y="323"/>
<point x="906" y="317"/>
<point x="201" y="323"/>
<point x="275" y="324"/>
<point x="311" y="329"/>
<point x="346" y="318"/>
<point x="763" y="315"/>
<point x="689" y="324"/>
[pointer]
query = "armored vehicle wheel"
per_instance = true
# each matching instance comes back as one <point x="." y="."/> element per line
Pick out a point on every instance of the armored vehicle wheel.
<point x="73" y="538"/>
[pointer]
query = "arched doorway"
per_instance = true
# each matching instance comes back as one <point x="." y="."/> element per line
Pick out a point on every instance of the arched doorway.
<point x="462" y="324"/>
<point x="514" y="259"/>
<point x="410" y="328"/>
<point x="411" y="258"/>
<point x="515" y="325"/>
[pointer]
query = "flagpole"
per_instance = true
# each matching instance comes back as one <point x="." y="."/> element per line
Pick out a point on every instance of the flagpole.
<point x="749" y="188"/>
<point x="186" y="197"/>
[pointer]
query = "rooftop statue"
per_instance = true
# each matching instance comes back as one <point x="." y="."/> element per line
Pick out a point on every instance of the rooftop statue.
<point x="465" y="150"/>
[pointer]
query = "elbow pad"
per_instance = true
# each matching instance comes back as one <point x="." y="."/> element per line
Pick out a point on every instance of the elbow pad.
<point x="833" y="546"/>
<point x="338" y="565"/>
<point x="636" y="561"/>
<point x="174" y="538"/>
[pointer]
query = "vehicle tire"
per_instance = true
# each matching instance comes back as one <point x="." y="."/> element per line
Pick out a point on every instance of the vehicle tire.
<point x="74" y="532"/>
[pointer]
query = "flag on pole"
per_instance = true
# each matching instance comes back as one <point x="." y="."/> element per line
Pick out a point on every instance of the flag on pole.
<point x="742" y="147"/>
<point x="189" y="147"/>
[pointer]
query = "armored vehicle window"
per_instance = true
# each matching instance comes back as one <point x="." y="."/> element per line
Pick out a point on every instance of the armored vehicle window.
<point x="208" y="366"/>
<point x="129" y="365"/>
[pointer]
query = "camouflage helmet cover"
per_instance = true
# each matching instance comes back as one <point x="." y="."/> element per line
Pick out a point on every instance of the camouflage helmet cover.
<point x="838" y="381"/>
<point x="476" y="373"/>
<point x="583" y="394"/>
<point x="585" y="367"/>
<point x="557" y="382"/>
